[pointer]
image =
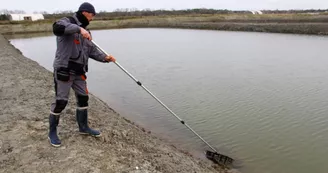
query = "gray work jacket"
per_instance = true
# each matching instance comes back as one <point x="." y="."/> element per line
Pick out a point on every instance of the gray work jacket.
<point x="73" y="51"/>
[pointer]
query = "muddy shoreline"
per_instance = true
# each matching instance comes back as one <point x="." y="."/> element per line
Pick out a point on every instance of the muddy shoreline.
<point x="26" y="90"/>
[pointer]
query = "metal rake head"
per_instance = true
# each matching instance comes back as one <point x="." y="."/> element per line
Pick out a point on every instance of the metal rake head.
<point x="218" y="158"/>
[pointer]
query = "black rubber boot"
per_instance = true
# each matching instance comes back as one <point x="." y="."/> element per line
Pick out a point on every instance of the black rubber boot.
<point x="52" y="136"/>
<point x="82" y="120"/>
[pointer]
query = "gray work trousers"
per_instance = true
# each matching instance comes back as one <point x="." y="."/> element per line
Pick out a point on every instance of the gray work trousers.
<point x="62" y="87"/>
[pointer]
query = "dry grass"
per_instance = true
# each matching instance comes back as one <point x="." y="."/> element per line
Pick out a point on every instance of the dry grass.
<point x="278" y="23"/>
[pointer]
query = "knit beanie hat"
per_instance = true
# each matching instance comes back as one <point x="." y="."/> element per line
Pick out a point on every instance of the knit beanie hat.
<point x="87" y="7"/>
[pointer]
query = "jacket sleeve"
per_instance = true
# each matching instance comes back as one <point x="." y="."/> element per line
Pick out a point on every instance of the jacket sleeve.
<point x="65" y="27"/>
<point x="97" y="54"/>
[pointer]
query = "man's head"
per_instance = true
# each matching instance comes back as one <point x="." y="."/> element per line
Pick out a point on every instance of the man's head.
<point x="88" y="10"/>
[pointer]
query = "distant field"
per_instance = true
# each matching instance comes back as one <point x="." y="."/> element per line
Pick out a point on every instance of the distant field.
<point x="278" y="23"/>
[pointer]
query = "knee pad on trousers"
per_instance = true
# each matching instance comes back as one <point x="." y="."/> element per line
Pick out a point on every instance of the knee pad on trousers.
<point x="60" y="106"/>
<point x="82" y="101"/>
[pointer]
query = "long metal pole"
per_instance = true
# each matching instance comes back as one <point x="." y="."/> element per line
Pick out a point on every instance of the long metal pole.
<point x="140" y="84"/>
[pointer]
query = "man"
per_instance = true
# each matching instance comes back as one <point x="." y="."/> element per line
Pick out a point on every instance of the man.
<point x="74" y="47"/>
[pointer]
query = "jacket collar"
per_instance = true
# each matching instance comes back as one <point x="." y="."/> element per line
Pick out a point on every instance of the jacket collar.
<point x="76" y="20"/>
<point x="80" y="19"/>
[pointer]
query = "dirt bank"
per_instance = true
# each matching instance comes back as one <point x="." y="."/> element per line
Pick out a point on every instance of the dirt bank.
<point x="26" y="89"/>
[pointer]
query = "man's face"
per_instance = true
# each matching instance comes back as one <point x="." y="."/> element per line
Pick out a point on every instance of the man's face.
<point x="88" y="15"/>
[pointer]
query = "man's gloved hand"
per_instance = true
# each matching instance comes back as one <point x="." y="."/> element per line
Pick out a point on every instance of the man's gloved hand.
<point x="110" y="58"/>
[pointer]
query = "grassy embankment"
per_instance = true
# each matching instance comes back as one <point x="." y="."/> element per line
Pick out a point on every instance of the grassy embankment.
<point x="316" y="24"/>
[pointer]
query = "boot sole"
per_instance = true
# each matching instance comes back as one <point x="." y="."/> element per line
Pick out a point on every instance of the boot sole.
<point x="97" y="136"/>
<point x="54" y="145"/>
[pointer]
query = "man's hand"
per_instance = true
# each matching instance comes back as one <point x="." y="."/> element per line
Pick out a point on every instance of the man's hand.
<point x="110" y="58"/>
<point x="85" y="34"/>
